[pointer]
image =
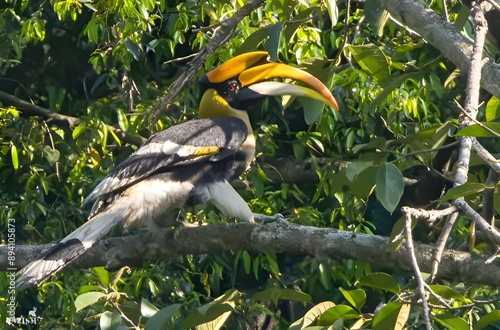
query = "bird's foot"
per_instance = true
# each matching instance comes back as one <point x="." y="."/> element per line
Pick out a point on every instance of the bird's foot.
<point x="262" y="219"/>
<point x="181" y="226"/>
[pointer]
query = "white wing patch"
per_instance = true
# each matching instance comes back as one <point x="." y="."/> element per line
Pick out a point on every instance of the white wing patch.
<point x="172" y="148"/>
<point x="228" y="201"/>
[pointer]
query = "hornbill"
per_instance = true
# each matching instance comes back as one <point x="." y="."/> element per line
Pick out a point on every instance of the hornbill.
<point x="186" y="164"/>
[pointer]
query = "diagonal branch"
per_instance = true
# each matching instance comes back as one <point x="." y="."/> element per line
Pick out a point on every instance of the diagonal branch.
<point x="30" y="109"/>
<point x="445" y="37"/>
<point x="278" y="237"/>
<point x="220" y="38"/>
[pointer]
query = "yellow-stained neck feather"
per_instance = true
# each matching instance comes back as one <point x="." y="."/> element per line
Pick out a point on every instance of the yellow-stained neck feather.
<point x="213" y="105"/>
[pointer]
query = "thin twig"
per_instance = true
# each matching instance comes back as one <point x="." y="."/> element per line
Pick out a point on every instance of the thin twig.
<point x="122" y="314"/>
<point x="486" y="156"/>
<point x="180" y="59"/>
<point x="207" y="28"/>
<point x="445" y="10"/>
<point x="477" y="122"/>
<point x="436" y="296"/>
<point x="491" y="232"/>
<point x="446" y="146"/>
<point x="58" y="119"/>
<point x="441" y="244"/>
<point x="415" y="267"/>
<point x="336" y="60"/>
<point x="220" y="37"/>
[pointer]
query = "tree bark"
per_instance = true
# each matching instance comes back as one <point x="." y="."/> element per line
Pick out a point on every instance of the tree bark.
<point x="278" y="237"/>
<point x="444" y="37"/>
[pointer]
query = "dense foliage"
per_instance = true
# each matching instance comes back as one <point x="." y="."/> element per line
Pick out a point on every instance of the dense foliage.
<point x="106" y="63"/>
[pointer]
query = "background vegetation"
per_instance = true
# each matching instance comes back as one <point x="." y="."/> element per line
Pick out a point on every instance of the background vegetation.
<point x="93" y="76"/>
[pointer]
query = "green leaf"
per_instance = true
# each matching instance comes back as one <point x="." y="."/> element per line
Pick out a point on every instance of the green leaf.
<point x="492" y="317"/>
<point x="133" y="49"/>
<point x="356" y="298"/>
<point x="451" y="322"/>
<point x="52" y="155"/>
<point x="336" y="312"/>
<point x="14" y="156"/>
<point x="274" y="294"/>
<point x="389" y="186"/>
<point x="356" y="167"/>
<point x="392" y="316"/>
<point x="122" y="120"/>
<point x="77" y="131"/>
<point x="147" y="308"/>
<point x="213" y="310"/>
<point x="478" y="131"/>
<point x="110" y="321"/>
<point x="492" y="111"/>
<point x="162" y="318"/>
<point x="216" y="324"/>
<point x="103" y="275"/>
<point x="314" y="313"/>
<point x="376" y="16"/>
<point x="467" y="189"/>
<point x="373" y="61"/>
<point x="333" y="11"/>
<point x="446" y="292"/>
<point x="272" y="43"/>
<point x="380" y="281"/>
<point x="314" y="109"/>
<point x="247" y="261"/>
<point x="198" y="317"/>
<point x="87" y="299"/>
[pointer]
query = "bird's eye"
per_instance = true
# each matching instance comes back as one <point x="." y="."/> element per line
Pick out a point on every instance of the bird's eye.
<point x="233" y="86"/>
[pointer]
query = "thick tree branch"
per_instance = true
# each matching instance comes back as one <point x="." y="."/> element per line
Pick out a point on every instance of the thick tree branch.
<point x="220" y="37"/>
<point x="279" y="237"/>
<point x="445" y="37"/>
<point x="30" y="109"/>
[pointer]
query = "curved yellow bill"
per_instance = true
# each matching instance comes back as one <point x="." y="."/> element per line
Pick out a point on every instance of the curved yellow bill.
<point x="235" y="66"/>
<point x="279" y="70"/>
<point x="273" y="88"/>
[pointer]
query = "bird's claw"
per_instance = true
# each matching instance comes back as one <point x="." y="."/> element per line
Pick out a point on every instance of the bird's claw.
<point x="262" y="219"/>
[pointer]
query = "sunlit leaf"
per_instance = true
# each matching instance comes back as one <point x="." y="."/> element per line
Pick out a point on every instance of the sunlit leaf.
<point x="394" y="316"/>
<point x="446" y="292"/>
<point x="356" y="297"/>
<point x="14" y="156"/>
<point x="110" y="321"/>
<point x="380" y="281"/>
<point x="275" y="293"/>
<point x="122" y="120"/>
<point x="147" y="308"/>
<point x="333" y="11"/>
<point x="478" y="131"/>
<point x="492" y="109"/>
<point x="491" y="318"/>
<point x="336" y="312"/>
<point x="466" y="189"/>
<point x="314" y="313"/>
<point x="372" y="60"/>
<point x="87" y="299"/>
<point x="162" y="318"/>
<point x="451" y="321"/>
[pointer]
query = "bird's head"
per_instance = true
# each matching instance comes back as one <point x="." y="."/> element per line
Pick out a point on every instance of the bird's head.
<point x="242" y="80"/>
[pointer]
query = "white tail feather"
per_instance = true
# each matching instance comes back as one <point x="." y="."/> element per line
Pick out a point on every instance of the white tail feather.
<point x="72" y="246"/>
